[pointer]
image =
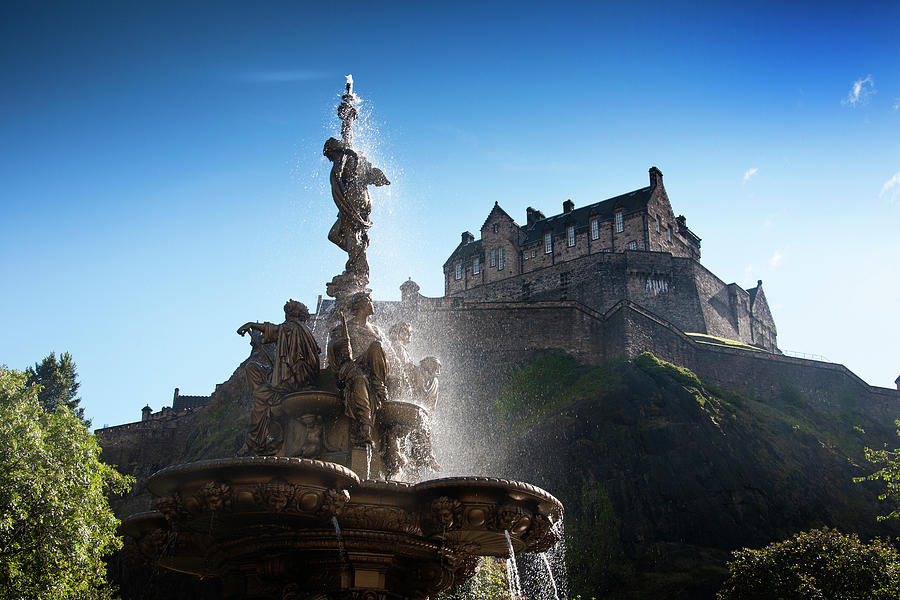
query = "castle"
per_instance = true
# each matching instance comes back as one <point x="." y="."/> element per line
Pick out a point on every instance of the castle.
<point x="630" y="247"/>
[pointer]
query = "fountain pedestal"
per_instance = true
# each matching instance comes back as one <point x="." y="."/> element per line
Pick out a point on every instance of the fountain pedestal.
<point x="273" y="526"/>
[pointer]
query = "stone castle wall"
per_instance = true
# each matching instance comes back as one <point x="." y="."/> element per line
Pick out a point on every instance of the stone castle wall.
<point x="680" y="289"/>
<point x="479" y="342"/>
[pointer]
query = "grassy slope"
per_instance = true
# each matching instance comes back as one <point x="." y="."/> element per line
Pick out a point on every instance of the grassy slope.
<point x="663" y="475"/>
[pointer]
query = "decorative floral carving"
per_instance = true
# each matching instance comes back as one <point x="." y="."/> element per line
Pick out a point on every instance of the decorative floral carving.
<point x="446" y="513"/>
<point x="275" y="495"/>
<point x="539" y="537"/>
<point x="380" y="518"/>
<point x="171" y="507"/>
<point x="215" y="496"/>
<point x="333" y="503"/>
<point x="512" y="518"/>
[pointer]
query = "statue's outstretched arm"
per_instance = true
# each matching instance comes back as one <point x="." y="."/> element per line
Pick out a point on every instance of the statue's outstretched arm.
<point x="248" y="326"/>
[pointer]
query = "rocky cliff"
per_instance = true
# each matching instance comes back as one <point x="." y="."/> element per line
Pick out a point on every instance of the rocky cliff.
<point x="663" y="475"/>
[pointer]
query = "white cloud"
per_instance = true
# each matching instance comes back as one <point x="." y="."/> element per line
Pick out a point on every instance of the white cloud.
<point x="859" y="91"/>
<point x="776" y="259"/>
<point x="897" y="104"/>
<point x="890" y="184"/>
<point x="891" y="189"/>
<point x="750" y="173"/>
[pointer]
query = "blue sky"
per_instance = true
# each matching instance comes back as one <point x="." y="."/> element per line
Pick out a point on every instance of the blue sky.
<point x="162" y="178"/>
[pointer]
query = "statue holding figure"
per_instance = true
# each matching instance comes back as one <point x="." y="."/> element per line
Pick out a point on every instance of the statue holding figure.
<point x="294" y="367"/>
<point x="351" y="174"/>
<point x="353" y="381"/>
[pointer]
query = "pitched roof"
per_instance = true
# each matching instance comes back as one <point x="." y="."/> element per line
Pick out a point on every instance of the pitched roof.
<point x="580" y="217"/>
<point x="497" y="211"/>
<point x="752" y="291"/>
<point x="466" y="250"/>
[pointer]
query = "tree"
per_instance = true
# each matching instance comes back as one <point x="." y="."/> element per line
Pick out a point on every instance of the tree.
<point x="58" y="383"/>
<point x="815" y="565"/>
<point x="55" y="522"/>
<point x="488" y="583"/>
<point x="889" y="474"/>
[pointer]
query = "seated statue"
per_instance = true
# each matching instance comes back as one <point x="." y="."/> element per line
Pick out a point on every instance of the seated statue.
<point x="294" y="367"/>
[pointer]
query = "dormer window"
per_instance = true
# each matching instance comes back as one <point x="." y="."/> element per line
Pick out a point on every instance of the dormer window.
<point x="476" y="265"/>
<point x="620" y="222"/>
<point x="668" y="234"/>
<point x="500" y="259"/>
<point x="548" y="243"/>
<point x="570" y="233"/>
<point x="458" y="271"/>
<point x="595" y="229"/>
<point x="657" y="224"/>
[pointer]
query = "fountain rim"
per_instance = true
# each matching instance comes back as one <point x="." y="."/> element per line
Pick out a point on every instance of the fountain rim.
<point x="492" y="483"/>
<point x="222" y="465"/>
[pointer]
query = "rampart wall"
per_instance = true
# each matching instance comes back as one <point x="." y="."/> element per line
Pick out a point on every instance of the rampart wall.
<point x="679" y="289"/>
<point x="480" y="341"/>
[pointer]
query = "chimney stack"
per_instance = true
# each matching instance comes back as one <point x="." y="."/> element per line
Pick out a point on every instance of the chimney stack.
<point x="655" y="177"/>
<point x="568" y="206"/>
<point x="467" y="238"/>
<point x="533" y="216"/>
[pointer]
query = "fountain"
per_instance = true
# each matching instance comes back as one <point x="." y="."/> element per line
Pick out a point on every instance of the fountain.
<point x="313" y="506"/>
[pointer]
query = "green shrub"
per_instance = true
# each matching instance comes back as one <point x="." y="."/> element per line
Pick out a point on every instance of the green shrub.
<point x="821" y="564"/>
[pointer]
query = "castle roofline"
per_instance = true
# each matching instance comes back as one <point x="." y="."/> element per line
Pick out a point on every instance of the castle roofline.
<point x="465" y="250"/>
<point x="603" y="210"/>
<point x="498" y="211"/>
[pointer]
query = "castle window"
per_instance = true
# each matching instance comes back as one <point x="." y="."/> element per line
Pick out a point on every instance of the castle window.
<point x="668" y="234"/>
<point x="533" y="253"/>
<point x="476" y="265"/>
<point x="595" y="229"/>
<point x="495" y="227"/>
<point x="632" y="245"/>
<point x="571" y="235"/>
<point x="525" y="255"/>
<point x="548" y="243"/>
<point x="459" y="270"/>
<point x="657" y="224"/>
<point x="493" y="258"/>
<point x="620" y="223"/>
<point x="500" y="259"/>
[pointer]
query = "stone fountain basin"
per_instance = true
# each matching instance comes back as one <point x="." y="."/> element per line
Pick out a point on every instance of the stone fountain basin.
<point x="215" y="514"/>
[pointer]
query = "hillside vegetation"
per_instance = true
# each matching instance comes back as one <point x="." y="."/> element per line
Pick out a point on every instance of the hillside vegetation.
<point x="663" y="474"/>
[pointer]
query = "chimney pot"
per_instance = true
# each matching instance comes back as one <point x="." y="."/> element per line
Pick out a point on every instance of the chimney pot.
<point x="568" y="206"/>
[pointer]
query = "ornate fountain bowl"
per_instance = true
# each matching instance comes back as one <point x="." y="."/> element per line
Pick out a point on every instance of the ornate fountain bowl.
<point x="477" y="512"/>
<point x="263" y="523"/>
<point x="406" y="415"/>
